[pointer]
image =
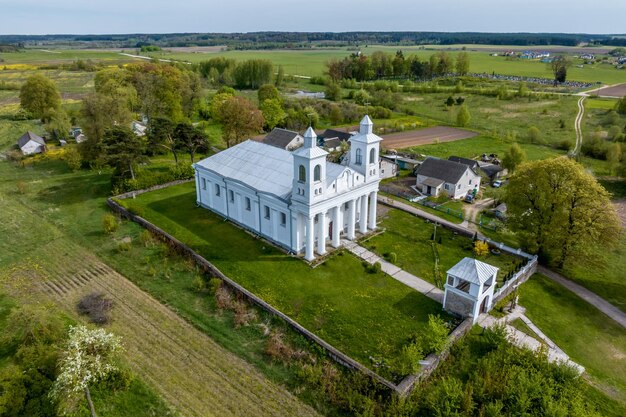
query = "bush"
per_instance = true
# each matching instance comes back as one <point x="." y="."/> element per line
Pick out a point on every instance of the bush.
<point x="435" y="338"/>
<point x="565" y="145"/>
<point x="198" y="284"/>
<point x="214" y="285"/>
<point x="146" y="238"/>
<point x="534" y="135"/>
<point x="276" y="348"/>
<point x="243" y="315"/>
<point x="393" y="257"/>
<point x="96" y="306"/>
<point x="124" y="246"/>
<point x="481" y="248"/>
<point x="223" y="298"/>
<point x="373" y="268"/>
<point x="409" y="360"/>
<point x="109" y="223"/>
<point x="72" y="159"/>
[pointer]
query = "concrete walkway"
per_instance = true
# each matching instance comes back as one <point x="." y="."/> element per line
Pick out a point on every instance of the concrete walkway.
<point x="521" y="339"/>
<point x="396" y="273"/>
<point x="598" y="302"/>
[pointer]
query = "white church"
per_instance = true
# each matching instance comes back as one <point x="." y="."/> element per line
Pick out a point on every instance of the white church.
<point x="298" y="199"/>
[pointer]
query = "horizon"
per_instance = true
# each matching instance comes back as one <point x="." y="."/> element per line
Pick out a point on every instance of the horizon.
<point x="118" y="17"/>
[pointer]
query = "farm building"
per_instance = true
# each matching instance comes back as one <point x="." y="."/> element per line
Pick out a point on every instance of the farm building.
<point x="331" y="139"/>
<point x="388" y="169"/>
<point x="298" y="199"/>
<point x="402" y="162"/>
<point x="283" y="139"/>
<point x="30" y="143"/>
<point x="436" y="175"/>
<point x="488" y="169"/>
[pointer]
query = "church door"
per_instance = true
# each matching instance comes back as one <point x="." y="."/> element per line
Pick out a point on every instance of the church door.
<point x="330" y="229"/>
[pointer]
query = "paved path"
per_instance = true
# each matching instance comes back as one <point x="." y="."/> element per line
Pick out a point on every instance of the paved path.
<point x="600" y="303"/>
<point x="579" y="131"/>
<point x="410" y="280"/>
<point x="521" y="339"/>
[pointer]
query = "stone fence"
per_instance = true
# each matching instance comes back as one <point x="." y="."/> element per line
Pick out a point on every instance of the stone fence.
<point x="519" y="278"/>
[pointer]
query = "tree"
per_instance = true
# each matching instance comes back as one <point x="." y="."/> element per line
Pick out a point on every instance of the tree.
<point x="462" y="63"/>
<point x="190" y="139"/>
<point x="72" y="159"/>
<point x="333" y="91"/>
<point x="280" y="77"/>
<point x="361" y="97"/>
<point x="613" y="156"/>
<point x="560" y="210"/>
<point x="268" y="92"/>
<point x="239" y="117"/>
<point x="217" y="102"/>
<point x="273" y="113"/>
<point x="513" y="157"/>
<point x="253" y="73"/>
<point x="57" y="123"/>
<point x="87" y="359"/>
<point x="463" y="117"/>
<point x="161" y="136"/>
<point x="534" y="134"/>
<point x="559" y="66"/>
<point x="335" y="115"/>
<point x="123" y="149"/>
<point x="38" y="95"/>
<point x="620" y="106"/>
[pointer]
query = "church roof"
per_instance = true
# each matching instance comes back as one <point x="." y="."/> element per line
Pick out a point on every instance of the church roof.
<point x="472" y="270"/>
<point x="263" y="167"/>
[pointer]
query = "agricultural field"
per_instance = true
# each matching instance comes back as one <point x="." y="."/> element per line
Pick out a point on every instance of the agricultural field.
<point x="425" y="136"/>
<point x="366" y="315"/>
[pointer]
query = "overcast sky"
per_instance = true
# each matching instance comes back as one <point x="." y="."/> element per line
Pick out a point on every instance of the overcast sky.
<point x="166" y="16"/>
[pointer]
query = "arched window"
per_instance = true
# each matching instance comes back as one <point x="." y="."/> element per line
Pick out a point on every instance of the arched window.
<point x="358" y="157"/>
<point x="317" y="173"/>
<point x="372" y="156"/>
<point x="302" y="174"/>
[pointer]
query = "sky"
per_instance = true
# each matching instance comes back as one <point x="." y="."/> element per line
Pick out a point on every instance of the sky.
<point x="35" y="17"/>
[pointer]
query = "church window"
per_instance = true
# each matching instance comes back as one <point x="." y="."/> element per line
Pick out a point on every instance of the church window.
<point x="358" y="158"/>
<point x="248" y="203"/>
<point x="267" y="212"/>
<point x="204" y="183"/>
<point x="372" y="156"/>
<point x="302" y="173"/>
<point x="317" y="173"/>
<point x="231" y="196"/>
<point x="217" y="190"/>
<point x="283" y="219"/>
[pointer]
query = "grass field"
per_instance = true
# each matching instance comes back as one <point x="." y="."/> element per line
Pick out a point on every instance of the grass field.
<point x="363" y="314"/>
<point x="409" y="238"/>
<point x="584" y="333"/>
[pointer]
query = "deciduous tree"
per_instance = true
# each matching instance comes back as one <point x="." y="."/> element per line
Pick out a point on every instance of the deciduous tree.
<point x="57" y="123"/>
<point x="161" y="136"/>
<point x="513" y="157"/>
<point x="559" y="66"/>
<point x="273" y="113"/>
<point x="560" y="210"/>
<point x="38" y="95"/>
<point x="268" y="92"/>
<point x="123" y="149"/>
<point x="462" y="63"/>
<point x="190" y="139"/>
<point x="463" y="117"/>
<point x="239" y="118"/>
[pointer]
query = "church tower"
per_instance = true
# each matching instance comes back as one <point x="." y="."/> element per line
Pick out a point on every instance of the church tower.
<point x="309" y="171"/>
<point x="365" y="151"/>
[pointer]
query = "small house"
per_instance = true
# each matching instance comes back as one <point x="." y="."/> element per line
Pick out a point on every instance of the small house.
<point x="387" y="168"/>
<point x="31" y="143"/>
<point x="500" y="211"/>
<point x="436" y="175"/>
<point x="469" y="288"/>
<point x="402" y="162"/>
<point x="488" y="169"/>
<point x="283" y="139"/>
<point x="331" y="139"/>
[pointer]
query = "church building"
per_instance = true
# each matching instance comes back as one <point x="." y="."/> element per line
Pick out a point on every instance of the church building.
<point x="298" y="199"/>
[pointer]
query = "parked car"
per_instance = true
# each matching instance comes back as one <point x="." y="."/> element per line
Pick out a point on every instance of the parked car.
<point x="496" y="184"/>
<point x="469" y="198"/>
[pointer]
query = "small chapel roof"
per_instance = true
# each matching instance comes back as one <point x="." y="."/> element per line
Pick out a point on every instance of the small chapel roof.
<point x="472" y="270"/>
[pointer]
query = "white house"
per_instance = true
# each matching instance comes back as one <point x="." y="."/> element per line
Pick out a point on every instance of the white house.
<point x="284" y="139"/>
<point x="469" y="288"/>
<point x="456" y="179"/>
<point x="30" y="143"/>
<point x="298" y="199"/>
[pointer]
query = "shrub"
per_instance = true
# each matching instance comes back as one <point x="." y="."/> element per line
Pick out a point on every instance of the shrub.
<point x="243" y="315"/>
<point x="72" y="159"/>
<point x="109" y="223"/>
<point x="223" y="298"/>
<point x="146" y="238"/>
<point x="393" y="257"/>
<point x="435" y="339"/>
<point x="198" y="284"/>
<point x="276" y="348"/>
<point x="374" y="268"/>
<point x="450" y="101"/>
<point x="96" y="306"/>
<point x="409" y="360"/>
<point x="481" y="248"/>
<point x="534" y="134"/>
<point x="565" y="145"/>
<point x="214" y="285"/>
<point x="124" y="246"/>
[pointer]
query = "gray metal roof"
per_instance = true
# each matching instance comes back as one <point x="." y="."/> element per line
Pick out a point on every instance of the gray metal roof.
<point x="329" y="134"/>
<point x="262" y="167"/>
<point x="448" y="171"/>
<point x="28" y="136"/>
<point x="469" y="162"/>
<point x="280" y="137"/>
<point x="472" y="270"/>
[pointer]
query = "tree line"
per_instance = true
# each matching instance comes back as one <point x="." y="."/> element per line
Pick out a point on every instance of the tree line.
<point x="379" y="65"/>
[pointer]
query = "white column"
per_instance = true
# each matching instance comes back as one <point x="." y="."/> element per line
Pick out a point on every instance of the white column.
<point x="295" y="232"/>
<point x="310" y="236"/>
<point x="198" y="189"/>
<point x="363" y="216"/>
<point x="351" y="218"/>
<point x="372" y="219"/>
<point x="337" y="226"/>
<point x="321" y="233"/>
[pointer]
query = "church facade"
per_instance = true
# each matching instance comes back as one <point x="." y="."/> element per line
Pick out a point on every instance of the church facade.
<point x="298" y="200"/>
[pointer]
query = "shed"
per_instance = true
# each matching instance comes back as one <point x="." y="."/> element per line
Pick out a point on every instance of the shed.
<point x="30" y="143"/>
<point x="283" y="139"/>
<point x="469" y="288"/>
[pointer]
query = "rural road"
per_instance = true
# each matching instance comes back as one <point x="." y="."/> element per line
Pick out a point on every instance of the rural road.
<point x="150" y="58"/>
<point x="577" y="127"/>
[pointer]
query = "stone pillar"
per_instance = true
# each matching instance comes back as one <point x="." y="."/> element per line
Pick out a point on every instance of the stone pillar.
<point x="295" y="232"/>
<point x="363" y="216"/>
<point x="321" y="233"/>
<point x="337" y="226"/>
<point x="351" y="218"/>
<point x="372" y="216"/>
<point x="310" y="239"/>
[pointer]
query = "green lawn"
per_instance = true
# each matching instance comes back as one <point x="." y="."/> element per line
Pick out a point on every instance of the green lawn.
<point x="409" y="238"/>
<point x="588" y="336"/>
<point x="363" y="314"/>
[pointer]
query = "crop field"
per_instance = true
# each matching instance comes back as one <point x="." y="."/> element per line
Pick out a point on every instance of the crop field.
<point x="425" y="136"/>
<point x="616" y="91"/>
<point x="365" y="315"/>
